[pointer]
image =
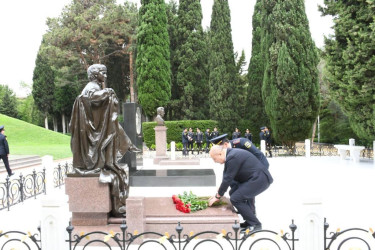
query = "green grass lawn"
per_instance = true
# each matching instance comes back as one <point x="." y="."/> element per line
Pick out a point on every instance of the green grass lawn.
<point x="27" y="139"/>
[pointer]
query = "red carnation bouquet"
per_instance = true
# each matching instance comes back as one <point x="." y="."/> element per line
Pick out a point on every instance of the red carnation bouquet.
<point x="189" y="202"/>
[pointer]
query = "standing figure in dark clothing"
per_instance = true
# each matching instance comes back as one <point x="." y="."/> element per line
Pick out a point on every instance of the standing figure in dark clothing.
<point x="242" y="143"/>
<point x="265" y="135"/>
<point x="190" y="140"/>
<point x="250" y="174"/>
<point x="248" y="135"/>
<point x="4" y="150"/>
<point x="208" y="138"/>
<point x="199" y="139"/>
<point x="236" y="134"/>
<point x="185" y="141"/>
<point x="214" y="133"/>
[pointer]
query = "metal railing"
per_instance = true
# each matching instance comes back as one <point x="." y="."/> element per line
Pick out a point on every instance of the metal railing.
<point x="362" y="238"/>
<point x="14" y="191"/>
<point x="20" y="240"/>
<point x="202" y="240"/>
<point x="352" y="238"/>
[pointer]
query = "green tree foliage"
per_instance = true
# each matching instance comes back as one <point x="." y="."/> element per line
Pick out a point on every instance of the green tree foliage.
<point x="8" y="102"/>
<point x="29" y="112"/>
<point x="153" y="57"/>
<point x="223" y="76"/>
<point x="191" y="77"/>
<point x="255" y="106"/>
<point x="242" y="99"/>
<point x="43" y="85"/>
<point x="290" y="85"/>
<point x="89" y="32"/>
<point x="350" y="56"/>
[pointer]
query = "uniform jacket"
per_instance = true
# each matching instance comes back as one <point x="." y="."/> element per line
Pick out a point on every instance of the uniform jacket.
<point x="246" y="144"/>
<point x="214" y="134"/>
<point x="4" y="148"/>
<point x="236" y="135"/>
<point x="199" y="137"/>
<point x="208" y="136"/>
<point x="248" y="136"/>
<point x="184" y="137"/>
<point x="241" y="166"/>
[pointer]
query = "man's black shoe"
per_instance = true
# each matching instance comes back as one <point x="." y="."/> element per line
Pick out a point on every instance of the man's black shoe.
<point x="252" y="229"/>
<point x="11" y="174"/>
<point x="244" y="224"/>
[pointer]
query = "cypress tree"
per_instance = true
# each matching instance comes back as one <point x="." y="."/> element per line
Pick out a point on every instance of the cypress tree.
<point x="223" y="76"/>
<point x="350" y="56"/>
<point x="189" y="63"/>
<point x="43" y="86"/>
<point x="153" y="57"/>
<point x="290" y="85"/>
<point x="255" y="106"/>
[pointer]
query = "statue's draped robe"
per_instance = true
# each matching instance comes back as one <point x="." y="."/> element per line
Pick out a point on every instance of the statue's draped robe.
<point x="98" y="141"/>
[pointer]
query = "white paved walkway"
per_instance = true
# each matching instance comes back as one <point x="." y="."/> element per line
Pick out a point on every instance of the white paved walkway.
<point x="345" y="189"/>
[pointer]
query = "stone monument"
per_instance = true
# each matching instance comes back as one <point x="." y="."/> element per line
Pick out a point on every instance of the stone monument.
<point x="160" y="137"/>
<point x="97" y="143"/>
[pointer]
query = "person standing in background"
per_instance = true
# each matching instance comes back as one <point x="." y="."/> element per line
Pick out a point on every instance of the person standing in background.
<point x="236" y="134"/>
<point x="4" y="150"/>
<point x="248" y="135"/>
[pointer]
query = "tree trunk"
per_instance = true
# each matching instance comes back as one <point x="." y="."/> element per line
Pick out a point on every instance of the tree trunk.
<point x="132" y="98"/>
<point x="63" y="123"/>
<point x="46" y="121"/>
<point x="54" y="120"/>
<point x="313" y="132"/>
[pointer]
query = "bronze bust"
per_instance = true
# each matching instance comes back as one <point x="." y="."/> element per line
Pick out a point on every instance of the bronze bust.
<point x="159" y="117"/>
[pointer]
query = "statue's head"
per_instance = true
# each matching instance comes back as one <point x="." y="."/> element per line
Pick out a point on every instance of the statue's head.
<point x="93" y="71"/>
<point x="160" y="111"/>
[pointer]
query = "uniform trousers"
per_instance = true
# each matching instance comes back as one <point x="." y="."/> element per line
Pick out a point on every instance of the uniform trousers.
<point x="247" y="191"/>
<point x="6" y="163"/>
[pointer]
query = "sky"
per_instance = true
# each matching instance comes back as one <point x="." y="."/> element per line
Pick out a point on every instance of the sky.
<point x="23" y="25"/>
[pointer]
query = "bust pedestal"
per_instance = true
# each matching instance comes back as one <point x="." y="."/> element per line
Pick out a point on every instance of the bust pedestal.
<point x="161" y="143"/>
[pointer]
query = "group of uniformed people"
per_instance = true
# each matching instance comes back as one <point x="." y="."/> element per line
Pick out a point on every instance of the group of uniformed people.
<point x="189" y="138"/>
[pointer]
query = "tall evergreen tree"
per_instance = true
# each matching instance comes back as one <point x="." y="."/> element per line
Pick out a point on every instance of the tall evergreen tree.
<point x="8" y="102"/>
<point x="255" y="106"/>
<point x="223" y="76"/>
<point x="350" y="56"/>
<point x="290" y="85"/>
<point x="153" y="57"/>
<point x="191" y="62"/>
<point x="43" y="86"/>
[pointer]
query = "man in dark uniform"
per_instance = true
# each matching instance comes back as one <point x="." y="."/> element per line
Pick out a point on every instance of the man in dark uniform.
<point x="208" y="138"/>
<point x="190" y="136"/>
<point x="242" y="143"/>
<point x="252" y="177"/>
<point x="184" y="141"/>
<point x="236" y="134"/>
<point x="199" y="139"/>
<point x="214" y="133"/>
<point x="248" y="135"/>
<point x="266" y="136"/>
<point x="4" y="150"/>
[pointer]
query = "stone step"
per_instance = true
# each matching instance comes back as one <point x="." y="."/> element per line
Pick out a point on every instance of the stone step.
<point x="18" y="162"/>
<point x="173" y="178"/>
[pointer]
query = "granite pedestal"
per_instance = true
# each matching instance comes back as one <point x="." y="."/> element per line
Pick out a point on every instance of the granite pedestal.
<point x="160" y="143"/>
<point x="159" y="214"/>
<point x="89" y="201"/>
